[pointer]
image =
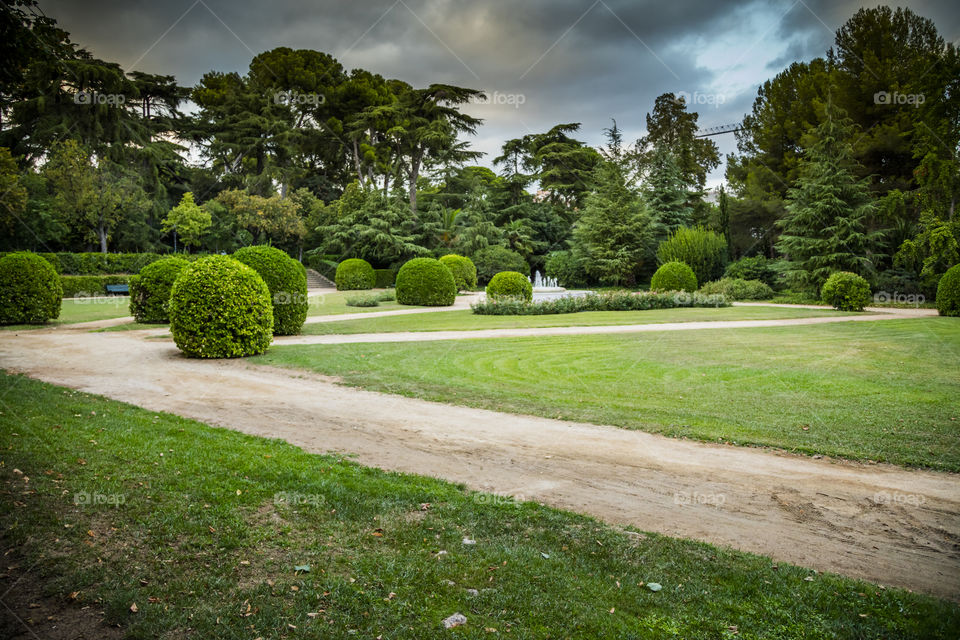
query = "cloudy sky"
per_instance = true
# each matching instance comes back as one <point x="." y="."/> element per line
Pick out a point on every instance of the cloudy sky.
<point x="542" y="61"/>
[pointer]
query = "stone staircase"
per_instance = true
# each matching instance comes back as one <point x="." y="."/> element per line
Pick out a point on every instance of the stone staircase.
<point x="317" y="281"/>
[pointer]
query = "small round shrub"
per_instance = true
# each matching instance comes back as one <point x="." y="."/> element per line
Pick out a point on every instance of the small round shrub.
<point x="948" y="292"/>
<point x="463" y="270"/>
<point x="287" y="280"/>
<point x="30" y="290"/>
<point x="492" y="260"/>
<point x="510" y="284"/>
<point x="220" y="308"/>
<point x="150" y="291"/>
<point x="674" y="276"/>
<point x="354" y="274"/>
<point x="426" y="282"/>
<point x="846" y="291"/>
<point x="738" y="289"/>
<point x="704" y="251"/>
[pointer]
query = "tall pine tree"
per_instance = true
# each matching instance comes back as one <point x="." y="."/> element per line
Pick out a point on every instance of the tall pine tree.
<point x="825" y="227"/>
<point x="666" y="194"/>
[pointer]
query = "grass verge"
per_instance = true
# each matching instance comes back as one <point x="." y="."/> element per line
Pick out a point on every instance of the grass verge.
<point x="84" y="310"/>
<point x="176" y="529"/>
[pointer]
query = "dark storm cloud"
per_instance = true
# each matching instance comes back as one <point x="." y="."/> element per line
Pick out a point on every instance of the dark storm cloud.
<point x="547" y="61"/>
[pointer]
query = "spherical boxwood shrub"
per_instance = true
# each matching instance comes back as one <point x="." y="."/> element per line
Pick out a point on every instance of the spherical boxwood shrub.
<point x="510" y="284"/>
<point x="492" y="260"/>
<point x="463" y="270"/>
<point x="150" y="291"/>
<point x="30" y="291"/>
<point x="220" y="308"/>
<point x="427" y="282"/>
<point x="287" y="280"/>
<point x="846" y="291"/>
<point x="674" y="276"/>
<point x="948" y="292"/>
<point x="355" y="274"/>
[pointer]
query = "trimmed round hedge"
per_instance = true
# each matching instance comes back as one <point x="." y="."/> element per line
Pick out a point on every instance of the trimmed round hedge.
<point x="463" y="270"/>
<point x="510" y="284"/>
<point x="674" y="276"/>
<point x="220" y="308"/>
<point x="287" y="280"/>
<point x="426" y="282"/>
<point x="354" y="274"/>
<point x="150" y="291"/>
<point x="846" y="291"/>
<point x="30" y="290"/>
<point x="948" y="292"/>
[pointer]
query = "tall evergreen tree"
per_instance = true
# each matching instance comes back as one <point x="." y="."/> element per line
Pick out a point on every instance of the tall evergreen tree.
<point x="666" y="194"/>
<point x="825" y="228"/>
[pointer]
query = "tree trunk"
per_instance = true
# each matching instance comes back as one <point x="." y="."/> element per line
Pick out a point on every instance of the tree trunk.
<point x="103" y="239"/>
<point x="414" y="174"/>
<point x="356" y="162"/>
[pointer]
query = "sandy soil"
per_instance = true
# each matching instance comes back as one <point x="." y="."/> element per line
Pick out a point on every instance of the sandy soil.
<point x="883" y="523"/>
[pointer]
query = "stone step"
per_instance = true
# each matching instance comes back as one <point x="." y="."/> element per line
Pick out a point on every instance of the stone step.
<point x="315" y="280"/>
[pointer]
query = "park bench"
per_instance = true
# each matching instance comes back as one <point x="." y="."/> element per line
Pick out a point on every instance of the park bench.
<point x="117" y="288"/>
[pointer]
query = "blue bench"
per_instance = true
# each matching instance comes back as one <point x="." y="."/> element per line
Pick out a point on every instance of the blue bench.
<point x="118" y="288"/>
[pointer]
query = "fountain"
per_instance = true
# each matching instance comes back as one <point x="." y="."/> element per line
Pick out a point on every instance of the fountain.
<point x="545" y="285"/>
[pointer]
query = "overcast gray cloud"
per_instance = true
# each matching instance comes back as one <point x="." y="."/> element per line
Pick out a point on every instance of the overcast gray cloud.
<point x="565" y="60"/>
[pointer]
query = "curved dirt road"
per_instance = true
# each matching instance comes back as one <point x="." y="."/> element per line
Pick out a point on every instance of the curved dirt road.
<point x="832" y="516"/>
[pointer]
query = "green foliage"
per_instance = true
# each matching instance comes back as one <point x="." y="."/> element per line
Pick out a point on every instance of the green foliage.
<point x="665" y="193"/>
<point x="948" y="292"/>
<point x="90" y="286"/>
<point x="614" y="301"/>
<point x="846" y="291"/>
<point x="287" y="280"/>
<point x="384" y="278"/>
<point x="702" y="250"/>
<point x="934" y="249"/>
<point x="566" y="269"/>
<point x="13" y="195"/>
<point x="188" y="221"/>
<point x="492" y="260"/>
<point x="265" y="218"/>
<point x="354" y="274"/>
<point x="738" y="289"/>
<point x="510" y="284"/>
<point x="674" y="276"/>
<point x="753" y="268"/>
<point x="30" y="291"/>
<point x="92" y="264"/>
<point x="463" y="270"/>
<point x="150" y="291"/>
<point x="220" y="308"/>
<point x="362" y="301"/>
<point x="426" y="282"/>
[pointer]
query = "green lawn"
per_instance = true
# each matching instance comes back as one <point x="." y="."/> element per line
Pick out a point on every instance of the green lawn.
<point x="203" y="529"/>
<point x="334" y="303"/>
<point x="85" y="310"/>
<point x="883" y="391"/>
<point x="463" y="320"/>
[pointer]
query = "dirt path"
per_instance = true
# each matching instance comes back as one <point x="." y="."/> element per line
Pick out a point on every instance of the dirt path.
<point x="422" y="336"/>
<point x="858" y="520"/>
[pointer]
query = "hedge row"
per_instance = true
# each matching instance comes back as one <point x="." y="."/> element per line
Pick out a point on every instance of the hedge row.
<point x="617" y="301"/>
<point x="89" y="286"/>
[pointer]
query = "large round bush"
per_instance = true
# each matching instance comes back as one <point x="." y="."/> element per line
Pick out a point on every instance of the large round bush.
<point x="510" y="284"/>
<point x="220" y="308"/>
<point x="463" y="270"/>
<point x="492" y="260"/>
<point x="426" y="282"/>
<point x="287" y="280"/>
<point x="353" y="274"/>
<point x="150" y="291"/>
<point x="674" y="276"/>
<point x="704" y="251"/>
<point x="30" y="291"/>
<point x="846" y="291"/>
<point x="948" y="292"/>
